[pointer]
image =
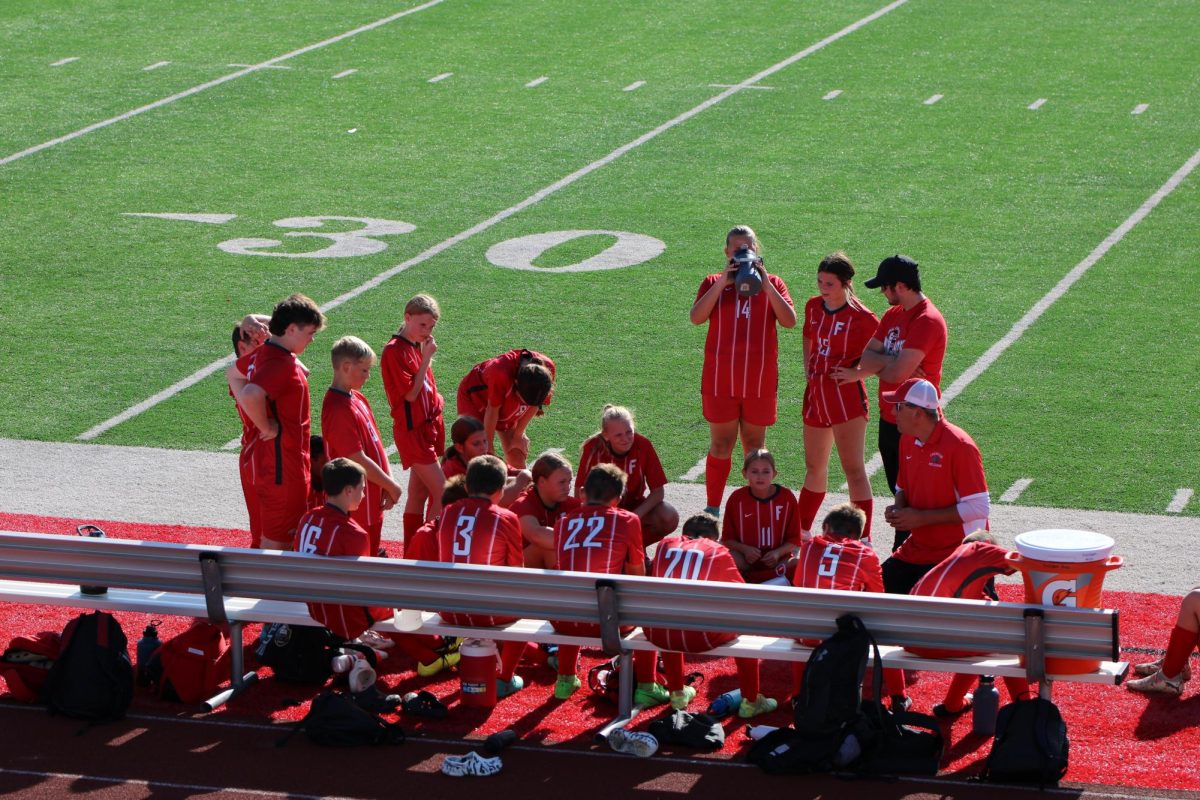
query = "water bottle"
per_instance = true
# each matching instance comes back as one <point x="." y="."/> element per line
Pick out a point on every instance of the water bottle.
<point x="145" y="648"/>
<point x="95" y="533"/>
<point x="987" y="703"/>
<point x="726" y="704"/>
<point x="749" y="278"/>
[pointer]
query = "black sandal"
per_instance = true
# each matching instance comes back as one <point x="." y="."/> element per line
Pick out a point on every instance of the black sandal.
<point x="424" y="704"/>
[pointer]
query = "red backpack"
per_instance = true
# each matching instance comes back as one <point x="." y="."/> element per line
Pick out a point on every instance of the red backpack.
<point x="193" y="664"/>
<point x="26" y="664"/>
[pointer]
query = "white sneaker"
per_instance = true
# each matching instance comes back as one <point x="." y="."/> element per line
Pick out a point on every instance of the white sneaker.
<point x="1157" y="683"/>
<point x="1149" y="668"/>
<point x="634" y="743"/>
<point x="470" y="765"/>
<point x="376" y="640"/>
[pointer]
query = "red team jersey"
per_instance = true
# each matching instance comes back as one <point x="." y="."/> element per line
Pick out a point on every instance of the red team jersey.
<point x="596" y="539"/>
<point x="849" y="565"/>
<point x="920" y="328"/>
<point x="246" y="456"/>
<point x="424" y="543"/>
<point x="347" y="425"/>
<point x="835" y="339"/>
<point x="529" y="504"/>
<point x="280" y="374"/>
<point x="679" y="558"/>
<point x="329" y="531"/>
<point x="493" y="382"/>
<point x="741" y="351"/>
<point x="765" y="524"/>
<point x="965" y="573"/>
<point x="934" y="474"/>
<point x="417" y="425"/>
<point x="641" y="464"/>
<point x="475" y="531"/>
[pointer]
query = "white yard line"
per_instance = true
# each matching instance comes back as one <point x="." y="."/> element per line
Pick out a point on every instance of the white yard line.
<point x="1036" y="104"/>
<point x="532" y="200"/>
<point x="1179" y="501"/>
<point x="731" y="85"/>
<point x="934" y="99"/>
<point x="537" y="82"/>
<point x="1013" y="492"/>
<point x="63" y="61"/>
<point x="213" y="83"/>
<point x="832" y="94"/>
<point x="268" y="66"/>
<point x="155" y="65"/>
<point x="346" y="73"/>
<point x="635" y="85"/>
<point x="440" y="78"/>
<point x="1140" y="108"/>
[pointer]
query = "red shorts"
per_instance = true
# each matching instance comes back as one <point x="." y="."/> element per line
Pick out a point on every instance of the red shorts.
<point x="755" y="410"/>
<point x="279" y="509"/>
<point x="475" y="620"/>
<point x="827" y="403"/>
<point x="251" y="496"/>
<point x="424" y="445"/>
<point x="688" y="641"/>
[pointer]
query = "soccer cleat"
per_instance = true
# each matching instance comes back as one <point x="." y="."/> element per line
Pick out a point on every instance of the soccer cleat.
<point x="565" y="686"/>
<point x="450" y="644"/>
<point x="375" y="639"/>
<point x="901" y="703"/>
<point x="681" y="698"/>
<point x="761" y="705"/>
<point x="651" y="694"/>
<point x="634" y="743"/>
<point x="1157" y="683"/>
<point x="434" y="667"/>
<point x="472" y="764"/>
<point x="942" y="712"/>
<point x="505" y="688"/>
<point x="1143" y="670"/>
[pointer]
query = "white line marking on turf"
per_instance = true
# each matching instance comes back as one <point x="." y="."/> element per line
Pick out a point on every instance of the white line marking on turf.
<point x="155" y="65"/>
<point x="732" y="85"/>
<point x="1140" y="108"/>
<point x="191" y="787"/>
<point x="537" y="82"/>
<point x="1036" y="104"/>
<point x="495" y="219"/>
<point x="934" y="99"/>
<point x="208" y="219"/>
<point x="268" y="66"/>
<point x="1179" y="501"/>
<point x="696" y="471"/>
<point x="635" y="85"/>
<point x="63" y="61"/>
<point x="216" y="82"/>
<point x="1014" y="491"/>
<point x="440" y="78"/>
<point x="832" y="94"/>
<point x="344" y="74"/>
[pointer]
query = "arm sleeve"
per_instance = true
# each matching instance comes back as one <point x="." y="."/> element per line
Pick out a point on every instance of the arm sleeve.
<point x="783" y="290"/>
<point x="586" y="461"/>
<point x="655" y="476"/>
<point x="807" y="332"/>
<point x="791" y="531"/>
<point x="872" y="572"/>
<point x="729" y="531"/>
<point x="397" y="381"/>
<point x="271" y="377"/>
<point x="633" y="537"/>
<point x="499" y="383"/>
<point x="705" y="285"/>
<point x="974" y="511"/>
<point x="515" y="542"/>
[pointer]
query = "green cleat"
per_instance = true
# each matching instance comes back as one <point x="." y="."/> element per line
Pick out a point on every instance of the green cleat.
<point x="651" y="694"/>
<point x="681" y="698"/>
<point x="505" y="688"/>
<point x="565" y="686"/>
<point x="761" y="705"/>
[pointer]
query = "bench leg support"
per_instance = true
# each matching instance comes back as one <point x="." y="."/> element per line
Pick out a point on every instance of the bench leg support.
<point x="625" y="709"/>
<point x="240" y="681"/>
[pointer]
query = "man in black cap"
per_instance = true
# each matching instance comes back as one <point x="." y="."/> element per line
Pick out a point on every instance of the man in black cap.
<point x="910" y="342"/>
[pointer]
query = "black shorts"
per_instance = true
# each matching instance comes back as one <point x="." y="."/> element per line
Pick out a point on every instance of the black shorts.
<point x="899" y="577"/>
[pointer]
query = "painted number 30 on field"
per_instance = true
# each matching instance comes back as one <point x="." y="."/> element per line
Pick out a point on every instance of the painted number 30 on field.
<point x="628" y="249"/>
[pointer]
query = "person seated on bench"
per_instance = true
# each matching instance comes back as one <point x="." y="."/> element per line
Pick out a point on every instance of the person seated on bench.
<point x="696" y="555"/>
<point x="540" y="506"/>
<point x="601" y="537"/>
<point x="478" y="531"/>
<point x="968" y="573"/>
<point x="1168" y="674"/>
<point x="424" y="544"/>
<point x="762" y="521"/>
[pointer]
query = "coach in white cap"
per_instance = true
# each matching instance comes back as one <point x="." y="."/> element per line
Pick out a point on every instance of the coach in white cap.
<point x="941" y="491"/>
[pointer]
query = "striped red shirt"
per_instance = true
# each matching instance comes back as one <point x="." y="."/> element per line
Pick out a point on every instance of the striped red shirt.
<point x="529" y="504"/>
<point x="765" y="524"/>
<point x="682" y="559"/>
<point x="598" y="539"/>
<point x="849" y="565"/>
<point x="966" y="572"/>
<point x="741" y="352"/>
<point x="476" y="531"/>
<point x="494" y="382"/>
<point x="640" y="463"/>
<point x="285" y="459"/>
<point x="329" y="531"/>
<point x="347" y="426"/>
<point x="399" y="364"/>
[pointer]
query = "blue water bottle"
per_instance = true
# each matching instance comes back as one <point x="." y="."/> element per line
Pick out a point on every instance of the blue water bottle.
<point x="145" y="649"/>
<point x="987" y="706"/>
<point x="726" y="704"/>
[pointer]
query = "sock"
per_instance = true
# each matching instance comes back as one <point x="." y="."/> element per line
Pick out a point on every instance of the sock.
<point x="534" y="654"/>
<point x="810" y="504"/>
<point x="868" y="507"/>
<point x="673" y="667"/>
<point x="510" y="656"/>
<point x="716" y="473"/>
<point x="416" y="646"/>
<point x="797" y="677"/>
<point x="956" y="695"/>
<point x="645" y="665"/>
<point x="1018" y="688"/>
<point x="893" y="682"/>
<point x="747" y="670"/>
<point x="568" y="659"/>
<point x="1182" y="643"/>
<point x="412" y="521"/>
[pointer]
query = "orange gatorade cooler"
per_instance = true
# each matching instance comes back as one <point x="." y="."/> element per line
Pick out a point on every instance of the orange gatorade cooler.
<point x="477" y="669"/>
<point x="1065" y="568"/>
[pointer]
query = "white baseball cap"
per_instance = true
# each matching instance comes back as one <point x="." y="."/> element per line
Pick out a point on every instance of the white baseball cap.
<point x="914" y="391"/>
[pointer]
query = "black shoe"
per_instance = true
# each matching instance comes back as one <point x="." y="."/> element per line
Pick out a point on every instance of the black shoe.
<point x="493" y="744"/>
<point x="375" y="701"/>
<point x="940" y="711"/>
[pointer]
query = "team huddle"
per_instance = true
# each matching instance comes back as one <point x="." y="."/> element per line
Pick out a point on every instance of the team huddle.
<point x="477" y="502"/>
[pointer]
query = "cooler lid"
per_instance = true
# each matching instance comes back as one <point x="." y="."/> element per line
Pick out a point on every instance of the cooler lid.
<point x="1064" y="546"/>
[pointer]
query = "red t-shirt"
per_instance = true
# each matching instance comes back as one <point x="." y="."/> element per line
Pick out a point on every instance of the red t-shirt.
<point x="424" y="543"/>
<point x="966" y="572"/>
<point x="529" y="504"/>
<point x="278" y="372"/>
<point x="835" y="563"/>
<point x="598" y="539"/>
<point x="475" y="531"/>
<point x="249" y="430"/>
<point x="765" y="524"/>
<point x="934" y="474"/>
<point x="920" y="328"/>
<point x="641" y="464"/>
<point x="835" y="338"/>
<point x="399" y="364"/>
<point x="348" y="425"/>
<point x="329" y="531"/>
<point x="683" y="559"/>
<point x="493" y="382"/>
<point x="741" y="352"/>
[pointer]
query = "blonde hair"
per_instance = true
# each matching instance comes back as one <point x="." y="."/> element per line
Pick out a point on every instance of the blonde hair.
<point x="611" y="412"/>
<point x="423" y="304"/>
<point x="350" y="348"/>
<point x="845" y="520"/>
<point x="748" y="232"/>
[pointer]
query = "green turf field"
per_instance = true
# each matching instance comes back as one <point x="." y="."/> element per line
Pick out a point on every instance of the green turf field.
<point x="1096" y="402"/>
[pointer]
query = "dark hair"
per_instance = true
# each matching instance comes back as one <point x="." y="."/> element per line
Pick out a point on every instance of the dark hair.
<point x="839" y="265"/>
<point x="604" y="483"/>
<point x="486" y="475"/>
<point x="761" y="454"/>
<point x="534" y="382"/>
<point x="454" y="490"/>
<point x="460" y="431"/>
<point x="547" y="464"/>
<point x="340" y="474"/>
<point x="702" y="526"/>
<point x="914" y="284"/>
<point x="295" y="310"/>
<point x="316" y="460"/>
<point x="846" y="520"/>
<point x="237" y="338"/>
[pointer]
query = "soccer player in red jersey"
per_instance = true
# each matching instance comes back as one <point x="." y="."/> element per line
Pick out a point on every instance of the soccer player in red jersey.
<point x="619" y="443"/>
<point x="969" y="572"/>
<point x="837" y="328"/>
<point x="910" y="342"/>
<point x="697" y="556"/>
<point x="247" y="336"/>
<point x="1168" y="674"/>
<point x="478" y="531"/>
<point x="739" y="384"/>
<point x="601" y="537"/>
<point x="417" y="424"/>
<point x="761" y="526"/>
<point x="506" y="392"/>
<point x="275" y="398"/>
<point x="468" y="441"/>
<point x="424" y="545"/>
<point x="540" y="506"/>
<point x="349" y="430"/>
<point x="941" y="493"/>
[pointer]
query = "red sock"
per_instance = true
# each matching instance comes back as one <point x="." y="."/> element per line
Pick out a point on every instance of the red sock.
<point x="416" y="646"/>
<point x="1018" y="688"/>
<point x="412" y="521"/>
<point x="534" y="654"/>
<point x="1180" y="648"/>
<point x="673" y="667"/>
<point x="716" y="473"/>
<point x="810" y="504"/>
<point x="645" y="664"/>
<point x="893" y="680"/>
<point x="868" y="507"/>
<point x="747" y="669"/>
<point x="956" y="695"/>
<point x="568" y="659"/>
<point x="797" y="677"/>
<point x="510" y="656"/>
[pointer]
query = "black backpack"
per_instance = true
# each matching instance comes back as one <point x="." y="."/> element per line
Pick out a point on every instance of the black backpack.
<point x="1031" y="744"/>
<point x="335" y="720"/>
<point x="299" y="653"/>
<point x="896" y="742"/>
<point x="92" y="678"/>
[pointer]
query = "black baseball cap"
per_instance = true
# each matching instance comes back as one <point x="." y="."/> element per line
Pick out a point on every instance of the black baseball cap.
<point x="893" y="269"/>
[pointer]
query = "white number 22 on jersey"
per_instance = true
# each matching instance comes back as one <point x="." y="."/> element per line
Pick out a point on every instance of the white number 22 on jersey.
<point x="575" y="527"/>
<point x="688" y="563"/>
<point x="462" y="536"/>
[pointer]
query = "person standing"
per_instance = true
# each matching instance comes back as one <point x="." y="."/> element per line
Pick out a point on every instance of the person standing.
<point x="506" y="392"/>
